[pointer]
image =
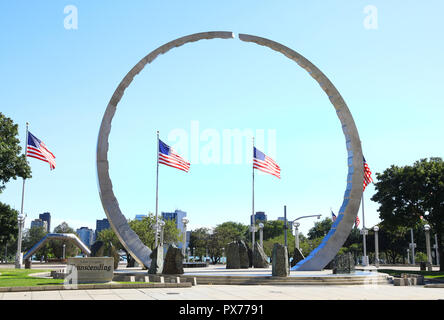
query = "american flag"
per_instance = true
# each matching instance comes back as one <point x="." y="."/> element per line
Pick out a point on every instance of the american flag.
<point x="367" y="175"/>
<point x="265" y="163"/>
<point x="333" y="216"/>
<point x="37" y="149"/>
<point x="169" y="157"/>
<point x="357" y="221"/>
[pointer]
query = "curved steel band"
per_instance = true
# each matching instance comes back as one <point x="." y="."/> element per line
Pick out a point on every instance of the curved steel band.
<point x="332" y="242"/>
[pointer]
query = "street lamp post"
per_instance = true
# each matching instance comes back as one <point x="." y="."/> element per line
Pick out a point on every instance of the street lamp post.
<point x="297" y="224"/>
<point x="161" y="224"/>
<point x="261" y="235"/>
<point x="435" y="246"/>
<point x="429" y="253"/>
<point x="296" y="234"/>
<point x="408" y="255"/>
<point x="64" y="248"/>
<point x="376" y="229"/>
<point x="19" y="256"/>
<point x="185" y="222"/>
<point x="412" y="246"/>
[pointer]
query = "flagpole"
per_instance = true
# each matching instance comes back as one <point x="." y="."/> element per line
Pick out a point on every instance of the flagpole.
<point x="253" y="222"/>
<point x="157" y="190"/>
<point x="364" y="260"/>
<point x="19" y="240"/>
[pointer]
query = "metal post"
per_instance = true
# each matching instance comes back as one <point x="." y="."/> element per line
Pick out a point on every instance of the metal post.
<point x="296" y="235"/>
<point x="261" y="235"/>
<point x="253" y="222"/>
<point x="184" y="222"/>
<point x="376" y="229"/>
<point x="364" y="258"/>
<point x="64" y="246"/>
<point x="157" y="190"/>
<point x="412" y="246"/>
<point x="408" y="255"/>
<point x="19" y="255"/>
<point x="436" y="249"/>
<point x="285" y="226"/>
<point x="429" y="253"/>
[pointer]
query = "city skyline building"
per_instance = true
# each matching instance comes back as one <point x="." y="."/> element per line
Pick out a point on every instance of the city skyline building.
<point x="39" y="223"/>
<point x="102" y="225"/>
<point x="46" y="216"/>
<point x="86" y="235"/>
<point x="177" y="215"/>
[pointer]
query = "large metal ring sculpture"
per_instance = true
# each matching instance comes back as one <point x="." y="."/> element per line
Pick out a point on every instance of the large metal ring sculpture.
<point x="341" y="228"/>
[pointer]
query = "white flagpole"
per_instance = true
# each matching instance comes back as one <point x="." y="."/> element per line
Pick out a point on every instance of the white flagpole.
<point x="157" y="190"/>
<point x="19" y="240"/>
<point x="253" y="222"/>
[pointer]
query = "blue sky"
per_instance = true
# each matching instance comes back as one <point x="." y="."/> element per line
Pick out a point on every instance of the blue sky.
<point x="61" y="81"/>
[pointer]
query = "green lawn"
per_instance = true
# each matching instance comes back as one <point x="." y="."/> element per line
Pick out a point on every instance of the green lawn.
<point x="24" y="278"/>
<point x="439" y="275"/>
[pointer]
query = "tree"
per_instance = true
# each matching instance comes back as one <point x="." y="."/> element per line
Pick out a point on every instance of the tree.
<point x="199" y="241"/>
<point x="144" y="230"/>
<point x="12" y="164"/>
<point x="57" y="245"/>
<point x="406" y="194"/>
<point x="8" y="225"/>
<point x="320" y="229"/>
<point x="31" y="237"/>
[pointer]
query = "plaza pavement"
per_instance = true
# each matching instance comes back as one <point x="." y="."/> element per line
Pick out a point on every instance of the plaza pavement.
<point x="239" y="292"/>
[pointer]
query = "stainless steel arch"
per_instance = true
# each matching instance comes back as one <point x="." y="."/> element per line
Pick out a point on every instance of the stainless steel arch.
<point x="333" y="241"/>
<point x="57" y="236"/>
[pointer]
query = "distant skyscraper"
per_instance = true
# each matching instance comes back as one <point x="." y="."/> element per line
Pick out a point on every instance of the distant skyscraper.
<point x="177" y="215"/>
<point x="259" y="216"/>
<point x="140" y="216"/>
<point x="86" y="235"/>
<point x="102" y="225"/>
<point x="39" y="223"/>
<point x="46" y="216"/>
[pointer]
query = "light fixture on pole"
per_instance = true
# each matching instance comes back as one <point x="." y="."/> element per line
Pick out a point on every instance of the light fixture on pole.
<point x="184" y="222"/>
<point x="261" y="235"/>
<point x="376" y="229"/>
<point x="161" y="224"/>
<point x="19" y="256"/>
<point x="297" y="224"/>
<point x="429" y="253"/>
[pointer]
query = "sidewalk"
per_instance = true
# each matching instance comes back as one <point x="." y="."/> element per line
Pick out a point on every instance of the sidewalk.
<point x="239" y="292"/>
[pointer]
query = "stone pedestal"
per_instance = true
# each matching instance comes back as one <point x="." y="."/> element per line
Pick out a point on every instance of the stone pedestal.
<point x="156" y="256"/>
<point x="244" y="258"/>
<point x="233" y="258"/>
<point x="91" y="270"/>
<point x="173" y="263"/>
<point x="343" y="263"/>
<point x="259" y="257"/>
<point x="280" y="266"/>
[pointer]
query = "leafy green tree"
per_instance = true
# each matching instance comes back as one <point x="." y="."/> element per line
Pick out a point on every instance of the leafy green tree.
<point x="71" y="249"/>
<point x="8" y="225"/>
<point x="221" y="236"/>
<point x="199" y="239"/>
<point x="320" y="229"/>
<point x="12" y="163"/>
<point x="407" y="193"/>
<point x="31" y="237"/>
<point x="144" y="230"/>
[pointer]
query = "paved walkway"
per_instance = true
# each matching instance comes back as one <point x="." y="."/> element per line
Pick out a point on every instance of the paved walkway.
<point x="239" y="292"/>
